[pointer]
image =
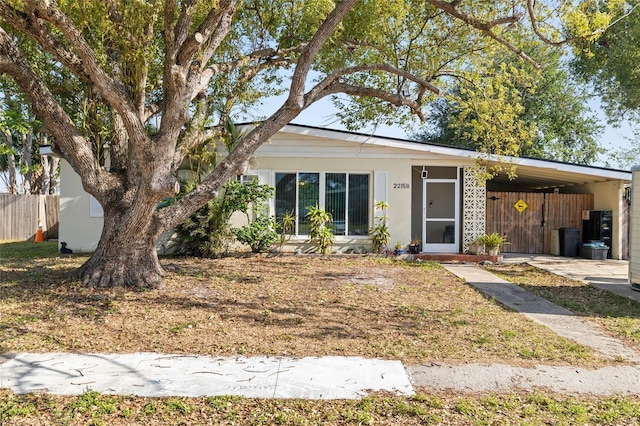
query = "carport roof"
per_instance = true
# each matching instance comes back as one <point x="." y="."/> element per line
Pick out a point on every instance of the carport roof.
<point x="532" y="174"/>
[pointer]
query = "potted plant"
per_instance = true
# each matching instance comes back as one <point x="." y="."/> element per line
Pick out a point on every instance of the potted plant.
<point x="398" y="248"/>
<point x="476" y="246"/>
<point x="492" y="242"/>
<point x="414" y="246"/>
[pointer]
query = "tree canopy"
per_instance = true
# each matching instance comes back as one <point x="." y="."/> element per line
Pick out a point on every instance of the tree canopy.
<point x="611" y="66"/>
<point x="548" y="109"/>
<point x="150" y="81"/>
<point x="22" y="169"/>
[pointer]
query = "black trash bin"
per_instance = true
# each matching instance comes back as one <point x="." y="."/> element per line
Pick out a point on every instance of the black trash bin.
<point x="569" y="238"/>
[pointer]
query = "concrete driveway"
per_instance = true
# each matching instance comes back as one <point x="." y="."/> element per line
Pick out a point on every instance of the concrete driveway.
<point x="611" y="275"/>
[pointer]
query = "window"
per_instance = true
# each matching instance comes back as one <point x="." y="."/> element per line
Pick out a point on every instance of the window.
<point x="245" y="179"/>
<point x="344" y="195"/>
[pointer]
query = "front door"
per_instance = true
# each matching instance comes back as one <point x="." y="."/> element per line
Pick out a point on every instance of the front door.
<point x="441" y="206"/>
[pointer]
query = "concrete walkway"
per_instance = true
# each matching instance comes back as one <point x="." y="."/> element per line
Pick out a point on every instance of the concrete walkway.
<point x="500" y="378"/>
<point x="151" y="374"/>
<point x="558" y="319"/>
<point x="608" y="275"/>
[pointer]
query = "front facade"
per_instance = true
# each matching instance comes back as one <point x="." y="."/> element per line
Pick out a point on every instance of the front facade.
<point x="348" y="176"/>
<point x="433" y="196"/>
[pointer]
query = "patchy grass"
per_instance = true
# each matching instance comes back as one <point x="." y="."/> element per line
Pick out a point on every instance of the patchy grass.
<point x="281" y="305"/>
<point x="422" y="409"/>
<point x="296" y="306"/>
<point x="27" y="250"/>
<point x="618" y="314"/>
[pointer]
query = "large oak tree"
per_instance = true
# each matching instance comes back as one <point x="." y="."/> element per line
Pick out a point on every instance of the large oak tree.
<point x="150" y="80"/>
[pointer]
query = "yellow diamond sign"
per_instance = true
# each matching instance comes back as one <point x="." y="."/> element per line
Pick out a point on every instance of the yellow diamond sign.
<point x="520" y="205"/>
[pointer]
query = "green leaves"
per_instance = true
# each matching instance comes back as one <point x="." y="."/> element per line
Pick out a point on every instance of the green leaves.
<point x="610" y="64"/>
<point x="260" y="234"/>
<point x="319" y="229"/>
<point x="516" y="110"/>
<point x="207" y="232"/>
<point x="379" y="234"/>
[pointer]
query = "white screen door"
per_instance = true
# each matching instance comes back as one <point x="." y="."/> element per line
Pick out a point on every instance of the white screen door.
<point x="441" y="215"/>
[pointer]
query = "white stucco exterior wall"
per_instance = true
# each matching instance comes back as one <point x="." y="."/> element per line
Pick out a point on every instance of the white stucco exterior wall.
<point x="399" y="200"/>
<point x="77" y="228"/>
<point x="609" y="196"/>
<point x="299" y="149"/>
<point x="299" y="153"/>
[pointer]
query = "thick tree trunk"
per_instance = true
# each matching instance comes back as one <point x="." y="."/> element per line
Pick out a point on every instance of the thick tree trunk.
<point x="126" y="254"/>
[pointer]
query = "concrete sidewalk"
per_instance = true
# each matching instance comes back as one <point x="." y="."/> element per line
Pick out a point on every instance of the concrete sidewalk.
<point x="500" y="378"/>
<point x="158" y="375"/>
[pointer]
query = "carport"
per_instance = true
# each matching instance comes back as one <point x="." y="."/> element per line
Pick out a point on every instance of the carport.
<point x="548" y="195"/>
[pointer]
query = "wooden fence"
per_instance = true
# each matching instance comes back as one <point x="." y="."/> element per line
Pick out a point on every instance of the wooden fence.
<point x="528" y="229"/>
<point x="20" y="215"/>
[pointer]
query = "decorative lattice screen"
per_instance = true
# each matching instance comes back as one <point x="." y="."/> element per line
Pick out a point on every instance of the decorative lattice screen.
<point x="474" y="201"/>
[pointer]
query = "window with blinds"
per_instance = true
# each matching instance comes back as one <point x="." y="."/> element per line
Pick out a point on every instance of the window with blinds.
<point x="346" y="196"/>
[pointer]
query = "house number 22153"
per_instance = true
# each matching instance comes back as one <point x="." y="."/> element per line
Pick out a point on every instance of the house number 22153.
<point x="401" y="186"/>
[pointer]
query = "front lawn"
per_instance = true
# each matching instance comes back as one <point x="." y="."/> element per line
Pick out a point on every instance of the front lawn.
<point x="298" y="306"/>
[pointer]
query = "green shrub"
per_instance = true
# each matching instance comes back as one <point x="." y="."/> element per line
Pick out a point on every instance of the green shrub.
<point x="319" y="230"/>
<point x="207" y="232"/>
<point x="379" y="234"/>
<point x="259" y="234"/>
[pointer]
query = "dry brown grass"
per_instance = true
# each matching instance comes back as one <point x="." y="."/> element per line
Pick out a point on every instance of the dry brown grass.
<point x="617" y="314"/>
<point x="294" y="305"/>
<point x="275" y="305"/>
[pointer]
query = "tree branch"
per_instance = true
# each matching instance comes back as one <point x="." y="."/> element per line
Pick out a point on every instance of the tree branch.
<point x="451" y="9"/>
<point x="43" y="36"/>
<point x="397" y="99"/>
<point x="113" y="92"/>
<point x="74" y="147"/>
<point x="536" y="29"/>
<point x="486" y="27"/>
<point x="246" y="146"/>
<point x="332" y="85"/>
<point x="265" y="58"/>
<point x="425" y="84"/>
<point x="296" y="94"/>
<point x="211" y="32"/>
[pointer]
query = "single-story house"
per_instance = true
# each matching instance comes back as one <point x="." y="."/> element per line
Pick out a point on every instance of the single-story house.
<point x="432" y="191"/>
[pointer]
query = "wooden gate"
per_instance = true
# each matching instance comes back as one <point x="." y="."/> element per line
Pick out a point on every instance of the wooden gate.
<point x="527" y="218"/>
